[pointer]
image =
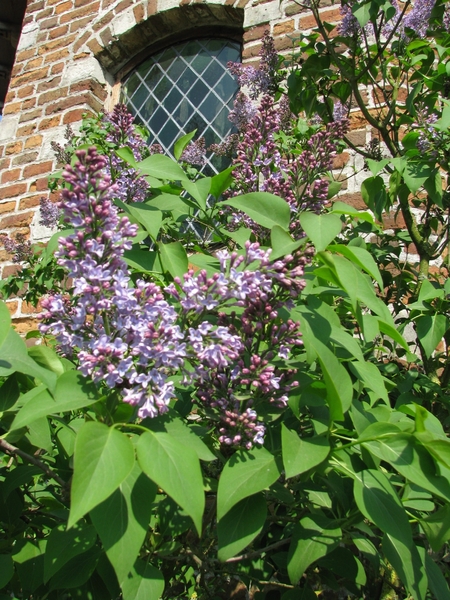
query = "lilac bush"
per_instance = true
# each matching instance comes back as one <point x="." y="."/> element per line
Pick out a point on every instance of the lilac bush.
<point x="135" y="338"/>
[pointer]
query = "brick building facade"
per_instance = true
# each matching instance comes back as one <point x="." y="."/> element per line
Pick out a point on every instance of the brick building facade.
<point x="71" y="58"/>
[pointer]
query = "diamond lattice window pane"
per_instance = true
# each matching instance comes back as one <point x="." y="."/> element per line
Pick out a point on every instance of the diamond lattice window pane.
<point x="185" y="87"/>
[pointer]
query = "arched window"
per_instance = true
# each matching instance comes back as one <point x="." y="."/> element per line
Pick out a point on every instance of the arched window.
<point x="185" y="87"/>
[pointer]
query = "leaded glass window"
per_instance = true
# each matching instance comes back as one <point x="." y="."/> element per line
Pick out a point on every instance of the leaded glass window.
<point x="186" y="87"/>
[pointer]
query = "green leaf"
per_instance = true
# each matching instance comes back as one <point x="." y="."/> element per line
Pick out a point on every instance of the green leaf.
<point x="148" y="216"/>
<point x="376" y="166"/>
<point x="430" y="331"/>
<point x="412" y="461"/>
<point x="416" y="173"/>
<point x="14" y="357"/>
<point x="103" y="458"/>
<point x="181" y="144"/>
<point x="361" y="258"/>
<point x="321" y="229"/>
<point x="337" y="380"/>
<point x="373" y="192"/>
<point x="341" y="208"/>
<point x="282" y="243"/>
<point x="177" y="428"/>
<point x="122" y="520"/>
<point x="241" y="525"/>
<point x="302" y="454"/>
<point x="17" y="477"/>
<point x="47" y="358"/>
<point x="371" y="378"/>
<point x="247" y="472"/>
<point x="199" y="190"/>
<point x="162" y="167"/>
<point x="437" y="527"/>
<point x="378" y="502"/>
<point x="63" y="545"/>
<point x="220" y="182"/>
<point x="265" y="209"/>
<point x="5" y="322"/>
<point x="145" y="582"/>
<point x="436" y="580"/>
<point x="176" y="469"/>
<point x="314" y="537"/>
<point x="72" y="392"/>
<point x="408" y="566"/>
<point x="143" y="261"/>
<point x="127" y="155"/>
<point x="6" y="569"/>
<point x="29" y="559"/>
<point x="174" y="259"/>
<point x="76" y="571"/>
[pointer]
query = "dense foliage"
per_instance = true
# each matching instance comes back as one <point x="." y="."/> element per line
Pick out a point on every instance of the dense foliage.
<point x="222" y="402"/>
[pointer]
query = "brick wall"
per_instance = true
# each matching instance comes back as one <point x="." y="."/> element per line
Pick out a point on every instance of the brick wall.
<point x="70" y="58"/>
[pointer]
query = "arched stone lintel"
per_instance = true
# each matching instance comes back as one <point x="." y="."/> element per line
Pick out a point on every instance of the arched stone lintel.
<point x="125" y="51"/>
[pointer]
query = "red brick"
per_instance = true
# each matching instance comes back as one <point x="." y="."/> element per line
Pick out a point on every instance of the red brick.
<point x="283" y="28"/>
<point x="41" y="38"/>
<point x="139" y="13"/>
<point x="255" y="33"/>
<point x="79" y="3"/>
<point x="95" y="47"/>
<point x="27" y="104"/>
<point x="30" y="115"/>
<point x="12" y="108"/>
<point x="251" y="51"/>
<point x="7" y="207"/>
<point x="38" y="169"/>
<point x="8" y="176"/>
<point x="10" y="270"/>
<point x="83" y="39"/>
<point x="74" y="116"/>
<point x="30" y="202"/>
<point x="23" y="326"/>
<point x="341" y="160"/>
<point x="51" y="84"/>
<point x="58" y="68"/>
<point x="354" y="200"/>
<point x="53" y="95"/>
<point x="83" y="11"/>
<point x="42" y="184"/>
<point x="29" y="77"/>
<point x="294" y="9"/>
<point x="54" y="44"/>
<point x="11" y="191"/>
<point x="27" y="90"/>
<point x="5" y="163"/>
<point x="26" y="129"/>
<point x="49" y="123"/>
<point x="34" y="6"/>
<point x="58" y="32"/>
<point x="10" y="96"/>
<point x="357" y="138"/>
<point x="106" y="36"/>
<point x="103" y="21"/>
<point x="12" y="306"/>
<point x="23" y="55"/>
<point x="72" y="101"/>
<point x="123" y="6"/>
<point x="89" y="85"/>
<point x="48" y="23"/>
<point x="33" y="141"/>
<point x="152" y="7"/>
<point x="14" y="148"/>
<point x="47" y="12"/>
<point x="56" y="56"/>
<point x="64" y="7"/>
<point x="17" y="220"/>
<point x="25" y="159"/>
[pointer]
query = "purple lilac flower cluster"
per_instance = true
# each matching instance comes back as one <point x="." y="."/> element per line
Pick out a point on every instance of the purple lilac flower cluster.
<point x="49" y="213"/>
<point x="260" y="80"/>
<point x="299" y="179"/>
<point x="134" y="339"/>
<point x="247" y="295"/>
<point x="131" y="186"/>
<point x="19" y="247"/>
<point x="195" y="152"/>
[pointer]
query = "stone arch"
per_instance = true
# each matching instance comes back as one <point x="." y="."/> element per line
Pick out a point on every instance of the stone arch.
<point x="118" y="48"/>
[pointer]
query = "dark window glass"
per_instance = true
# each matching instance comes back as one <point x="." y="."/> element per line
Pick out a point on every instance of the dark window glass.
<point x="182" y="88"/>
